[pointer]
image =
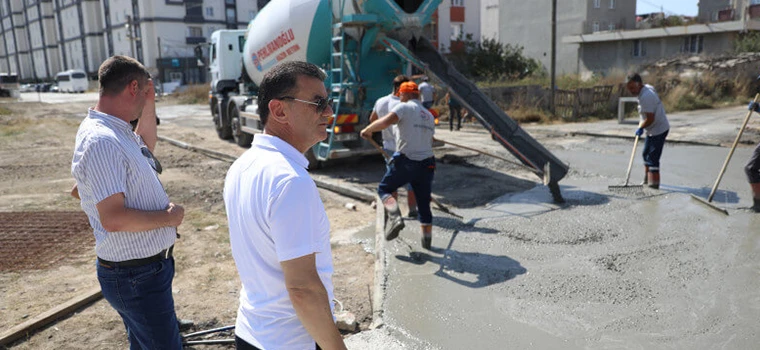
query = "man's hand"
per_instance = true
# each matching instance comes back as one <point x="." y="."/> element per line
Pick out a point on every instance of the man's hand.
<point x="639" y="131"/>
<point x="366" y="133"/>
<point x="176" y="214"/>
<point x="754" y="106"/>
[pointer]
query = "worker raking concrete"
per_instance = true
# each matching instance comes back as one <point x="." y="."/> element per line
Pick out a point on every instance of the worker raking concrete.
<point x="655" y="122"/>
<point x="413" y="162"/>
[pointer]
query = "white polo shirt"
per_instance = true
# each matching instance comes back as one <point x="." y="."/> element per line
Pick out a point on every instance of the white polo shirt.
<point x="649" y="102"/>
<point x="383" y="106"/>
<point x="416" y="127"/>
<point x="274" y="214"/>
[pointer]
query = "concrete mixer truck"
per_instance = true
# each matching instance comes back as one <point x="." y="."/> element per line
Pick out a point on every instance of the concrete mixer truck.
<point x="361" y="45"/>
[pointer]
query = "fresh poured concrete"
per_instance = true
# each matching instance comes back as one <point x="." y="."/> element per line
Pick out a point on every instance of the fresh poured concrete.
<point x="606" y="270"/>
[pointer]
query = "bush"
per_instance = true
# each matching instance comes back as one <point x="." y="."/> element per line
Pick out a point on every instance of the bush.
<point x="490" y="60"/>
<point x="193" y="94"/>
<point x="748" y="42"/>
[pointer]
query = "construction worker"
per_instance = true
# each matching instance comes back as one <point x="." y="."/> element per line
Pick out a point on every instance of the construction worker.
<point x="427" y="92"/>
<point x="413" y="162"/>
<point x="455" y="111"/>
<point x="654" y="121"/>
<point x="752" y="169"/>
<point x="382" y="107"/>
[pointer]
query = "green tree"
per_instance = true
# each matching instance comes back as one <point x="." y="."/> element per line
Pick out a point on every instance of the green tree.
<point x="748" y="42"/>
<point x="492" y="60"/>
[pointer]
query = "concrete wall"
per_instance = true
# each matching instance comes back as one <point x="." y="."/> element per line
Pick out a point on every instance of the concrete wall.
<point x="708" y="9"/>
<point x="619" y="13"/>
<point x="489" y="24"/>
<point x="604" y="57"/>
<point x="530" y="27"/>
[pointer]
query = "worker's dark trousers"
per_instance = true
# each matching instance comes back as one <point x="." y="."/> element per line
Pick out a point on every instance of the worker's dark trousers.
<point x="752" y="169"/>
<point x="653" y="151"/>
<point x="419" y="174"/>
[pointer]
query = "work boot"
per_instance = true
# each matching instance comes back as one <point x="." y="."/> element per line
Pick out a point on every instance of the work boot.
<point x="646" y="176"/>
<point x="395" y="223"/>
<point x="755" y="197"/>
<point x="654" y="180"/>
<point x="413" y="213"/>
<point x="756" y="205"/>
<point x="427" y="236"/>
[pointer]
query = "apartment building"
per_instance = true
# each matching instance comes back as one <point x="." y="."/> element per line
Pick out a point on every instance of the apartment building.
<point x="456" y="19"/>
<point x="42" y="37"/>
<point x="719" y="24"/>
<point x="512" y="22"/>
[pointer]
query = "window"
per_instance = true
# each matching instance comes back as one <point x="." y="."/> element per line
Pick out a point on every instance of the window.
<point x="251" y="14"/>
<point x="611" y="26"/>
<point x="639" y="49"/>
<point x="209" y="12"/>
<point x="597" y="4"/>
<point x="595" y="27"/>
<point x="612" y="4"/>
<point x="693" y="43"/>
<point x="457" y="31"/>
<point x="195" y="31"/>
<point x="231" y="16"/>
<point x="229" y="2"/>
<point x="457" y="3"/>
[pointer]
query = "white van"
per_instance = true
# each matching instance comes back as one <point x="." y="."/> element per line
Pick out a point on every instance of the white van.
<point x="72" y="80"/>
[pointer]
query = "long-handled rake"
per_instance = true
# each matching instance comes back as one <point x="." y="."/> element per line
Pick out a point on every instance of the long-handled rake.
<point x="725" y="165"/>
<point x="626" y="187"/>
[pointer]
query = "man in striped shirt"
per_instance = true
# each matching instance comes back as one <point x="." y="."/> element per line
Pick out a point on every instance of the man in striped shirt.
<point x="134" y="223"/>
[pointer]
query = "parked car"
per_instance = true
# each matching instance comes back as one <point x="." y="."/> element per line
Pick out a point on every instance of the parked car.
<point x="43" y="87"/>
<point x="55" y="88"/>
<point x="27" y="88"/>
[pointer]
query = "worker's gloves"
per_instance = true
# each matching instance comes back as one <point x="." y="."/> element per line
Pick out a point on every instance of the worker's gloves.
<point x="639" y="131"/>
<point x="754" y="106"/>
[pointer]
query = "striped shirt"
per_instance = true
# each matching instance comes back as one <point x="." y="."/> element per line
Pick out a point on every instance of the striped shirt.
<point x="108" y="160"/>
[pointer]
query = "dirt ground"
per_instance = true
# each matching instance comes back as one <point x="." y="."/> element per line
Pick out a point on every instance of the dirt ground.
<point x="36" y="144"/>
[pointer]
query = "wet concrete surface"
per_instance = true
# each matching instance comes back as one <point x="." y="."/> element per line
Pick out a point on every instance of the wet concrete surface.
<point x="652" y="269"/>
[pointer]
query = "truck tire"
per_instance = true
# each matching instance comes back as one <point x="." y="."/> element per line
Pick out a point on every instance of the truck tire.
<point x="224" y="132"/>
<point x="314" y="163"/>
<point x="242" y="138"/>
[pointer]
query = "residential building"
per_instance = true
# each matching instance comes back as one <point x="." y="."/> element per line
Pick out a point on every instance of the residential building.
<point x="512" y="22"/>
<point x="42" y="37"/>
<point x="453" y="21"/>
<point x="600" y="53"/>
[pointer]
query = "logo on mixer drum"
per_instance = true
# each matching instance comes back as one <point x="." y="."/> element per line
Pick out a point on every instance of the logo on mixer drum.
<point x="256" y="62"/>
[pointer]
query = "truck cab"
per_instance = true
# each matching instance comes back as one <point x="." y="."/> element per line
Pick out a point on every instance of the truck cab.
<point x="9" y="86"/>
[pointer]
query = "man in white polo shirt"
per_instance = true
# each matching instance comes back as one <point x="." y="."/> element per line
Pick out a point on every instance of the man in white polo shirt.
<point x="279" y="231"/>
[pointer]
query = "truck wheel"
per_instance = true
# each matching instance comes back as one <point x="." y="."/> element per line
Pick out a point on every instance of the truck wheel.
<point x="242" y="138"/>
<point x="314" y="163"/>
<point x="224" y="132"/>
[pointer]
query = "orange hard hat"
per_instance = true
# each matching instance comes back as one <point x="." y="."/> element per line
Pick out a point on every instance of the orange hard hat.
<point x="408" y="86"/>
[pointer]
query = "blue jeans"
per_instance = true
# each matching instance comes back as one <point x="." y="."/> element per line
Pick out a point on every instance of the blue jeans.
<point x="142" y="296"/>
<point x="427" y="104"/>
<point x="653" y="151"/>
<point x="419" y="174"/>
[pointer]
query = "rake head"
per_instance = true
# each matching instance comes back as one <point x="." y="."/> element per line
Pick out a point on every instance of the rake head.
<point x="637" y="190"/>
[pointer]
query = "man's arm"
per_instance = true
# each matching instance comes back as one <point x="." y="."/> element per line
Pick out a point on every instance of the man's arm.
<point x="310" y="300"/>
<point x="115" y="217"/>
<point x="75" y="192"/>
<point x="379" y="125"/>
<point x="373" y="116"/>
<point x="146" y="126"/>
<point x="648" y="120"/>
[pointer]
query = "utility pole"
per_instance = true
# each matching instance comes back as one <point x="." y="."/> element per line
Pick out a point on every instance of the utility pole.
<point x="554" y="55"/>
<point x="130" y="36"/>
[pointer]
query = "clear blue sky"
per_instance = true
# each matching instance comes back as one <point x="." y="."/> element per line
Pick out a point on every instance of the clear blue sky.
<point x="677" y="7"/>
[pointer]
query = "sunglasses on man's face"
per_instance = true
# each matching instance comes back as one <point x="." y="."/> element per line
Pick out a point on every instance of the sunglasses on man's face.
<point x="321" y="103"/>
<point x="153" y="161"/>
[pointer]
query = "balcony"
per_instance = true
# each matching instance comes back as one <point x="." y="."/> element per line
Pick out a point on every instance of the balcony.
<point x="194" y="40"/>
<point x="754" y="11"/>
<point x="727" y="15"/>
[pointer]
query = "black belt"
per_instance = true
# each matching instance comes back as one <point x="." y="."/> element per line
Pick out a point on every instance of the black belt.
<point x="164" y="254"/>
